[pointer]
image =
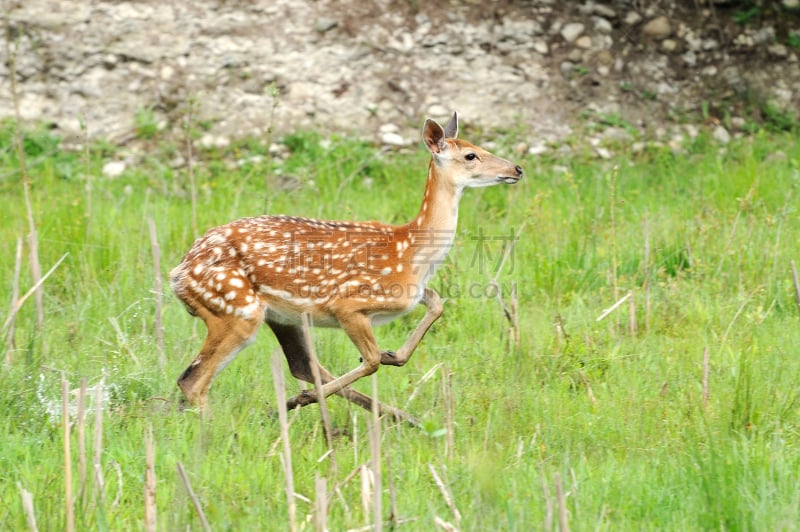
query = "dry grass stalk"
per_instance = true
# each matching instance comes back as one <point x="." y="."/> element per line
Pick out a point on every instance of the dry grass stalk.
<point x="375" y="448"/>
<point x="81" y="426"/>
<point x="613" y="222"/>
<point x="509" y="309"/>
<point x="33" y="239"/>
<point x="157" y="292"/>
<point x="366" y="491"/>
<point x="705" y="377"/>
<point x="280" y="395"/>
<point x="514" y="308"/>
<point x="614" y="307"/>
<point x="27" y="506"/>
<point x="274" y="93"/>
<point x="588" y="387"/>
<point x="70" y="509"/>
<point x="149" y="481"/>
<point x="632" y="315"/>
<point x="321" y="504"/>
<point x="448" y="496"/>
<point x="425" y="378"/>
<point x="189" y="120"/>
<point x="118" y="496"/>
<point x="743" y="204"/>
<point x="796" y="285"/>
<point x="15" y="308"/>
<point x="562" y="338"/>
<point x="548" y="501"/>
<point x="393" y="514"/>
<point x="321" y="399"/>
<point x="449" y="412"/>
<point x="88" y="170"/>
<point x="647" y="273"/>
<point x="195" y="502"/>
<point x="10" y="341"/>
<point x="563" y="521"/>
<point x="337" y="489"/>
<point x="444" y="525"/>
<point x="99" y="483"/>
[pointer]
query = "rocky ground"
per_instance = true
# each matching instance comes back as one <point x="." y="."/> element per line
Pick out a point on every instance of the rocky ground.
<point x="376" y="68"/>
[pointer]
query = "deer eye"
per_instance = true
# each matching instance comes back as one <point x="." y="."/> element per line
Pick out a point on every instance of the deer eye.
<point x="470" y="156"/>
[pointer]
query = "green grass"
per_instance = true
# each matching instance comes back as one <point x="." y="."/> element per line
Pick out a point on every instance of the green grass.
<point x="722" y="227"/>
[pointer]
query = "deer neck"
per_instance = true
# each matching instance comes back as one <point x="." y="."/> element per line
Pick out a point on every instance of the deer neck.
<point x="439" y="209"/>
<point x="433" y="230"/>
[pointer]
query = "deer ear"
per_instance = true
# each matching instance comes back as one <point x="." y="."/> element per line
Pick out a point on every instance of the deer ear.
<point x="451" y="129"/>
<point x="433" y="135"/>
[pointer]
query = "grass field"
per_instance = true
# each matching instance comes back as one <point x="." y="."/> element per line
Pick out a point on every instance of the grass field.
<point x="604" y="424"/>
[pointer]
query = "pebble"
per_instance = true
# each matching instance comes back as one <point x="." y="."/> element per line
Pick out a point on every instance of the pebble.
<point x="658" y="28"/>
<point x="438" y="111"/>
<point x="537" y="149"/>
<point x="392" y="139"/>
<point x="114" y="168"/>
<point x="721" y="135"/>
<point x="602" y="25"/>
<point x="325" y="24"/>
<point x="572" y="31"/>
<point x="541" y="46"/>
<point x="632" y="18"/>
<point x="669" y="45"/>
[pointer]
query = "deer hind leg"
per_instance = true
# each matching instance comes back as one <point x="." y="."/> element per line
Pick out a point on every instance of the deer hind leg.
<point x="226" y="337"/>
<point x="294" y="347"/>
<point x="433" y="304"/>
<point x="358" y="328"/>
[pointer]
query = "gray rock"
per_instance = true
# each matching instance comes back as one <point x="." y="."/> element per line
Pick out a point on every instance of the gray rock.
<point x="778" y="51"/>
<point x="438" y="111"/>
<point x="540" y="46"/>
<point x="537" y="149"/>
<point x="657" y="28"/>
<point x="669" y="45"/>
<point x="325" y="24"/>
<point x="603" y="10"/>
<point x="571" y="31"/>
<point x="602" y="25"/>
<point x="114" y="168"/>
<point x="632" y="18"/>
<point x="393" y="139"/>
<point x="721" y="135"/>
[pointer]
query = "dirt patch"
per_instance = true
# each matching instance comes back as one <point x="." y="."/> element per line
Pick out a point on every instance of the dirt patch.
<point x="360" y="67"/>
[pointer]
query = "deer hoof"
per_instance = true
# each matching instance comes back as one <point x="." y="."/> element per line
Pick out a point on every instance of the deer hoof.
<point x="389" y="358"/>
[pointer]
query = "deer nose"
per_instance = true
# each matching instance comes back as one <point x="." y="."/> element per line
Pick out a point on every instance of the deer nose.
<point x="519" y="171"/>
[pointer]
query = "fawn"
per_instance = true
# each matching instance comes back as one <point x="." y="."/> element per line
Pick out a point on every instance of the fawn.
<point x="351" y="275"/>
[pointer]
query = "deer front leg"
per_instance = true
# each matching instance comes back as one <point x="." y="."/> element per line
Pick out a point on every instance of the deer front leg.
<point x="297" y="355"/>
<point x="434" y="306"/>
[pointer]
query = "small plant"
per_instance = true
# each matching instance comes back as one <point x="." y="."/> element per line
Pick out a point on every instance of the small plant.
<point x="744" y="16"/>
<point x="580" y="70"/>
<point x="779" y="119"/>
<point x="146" y="123"/>
<point x="793" y="40"/>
